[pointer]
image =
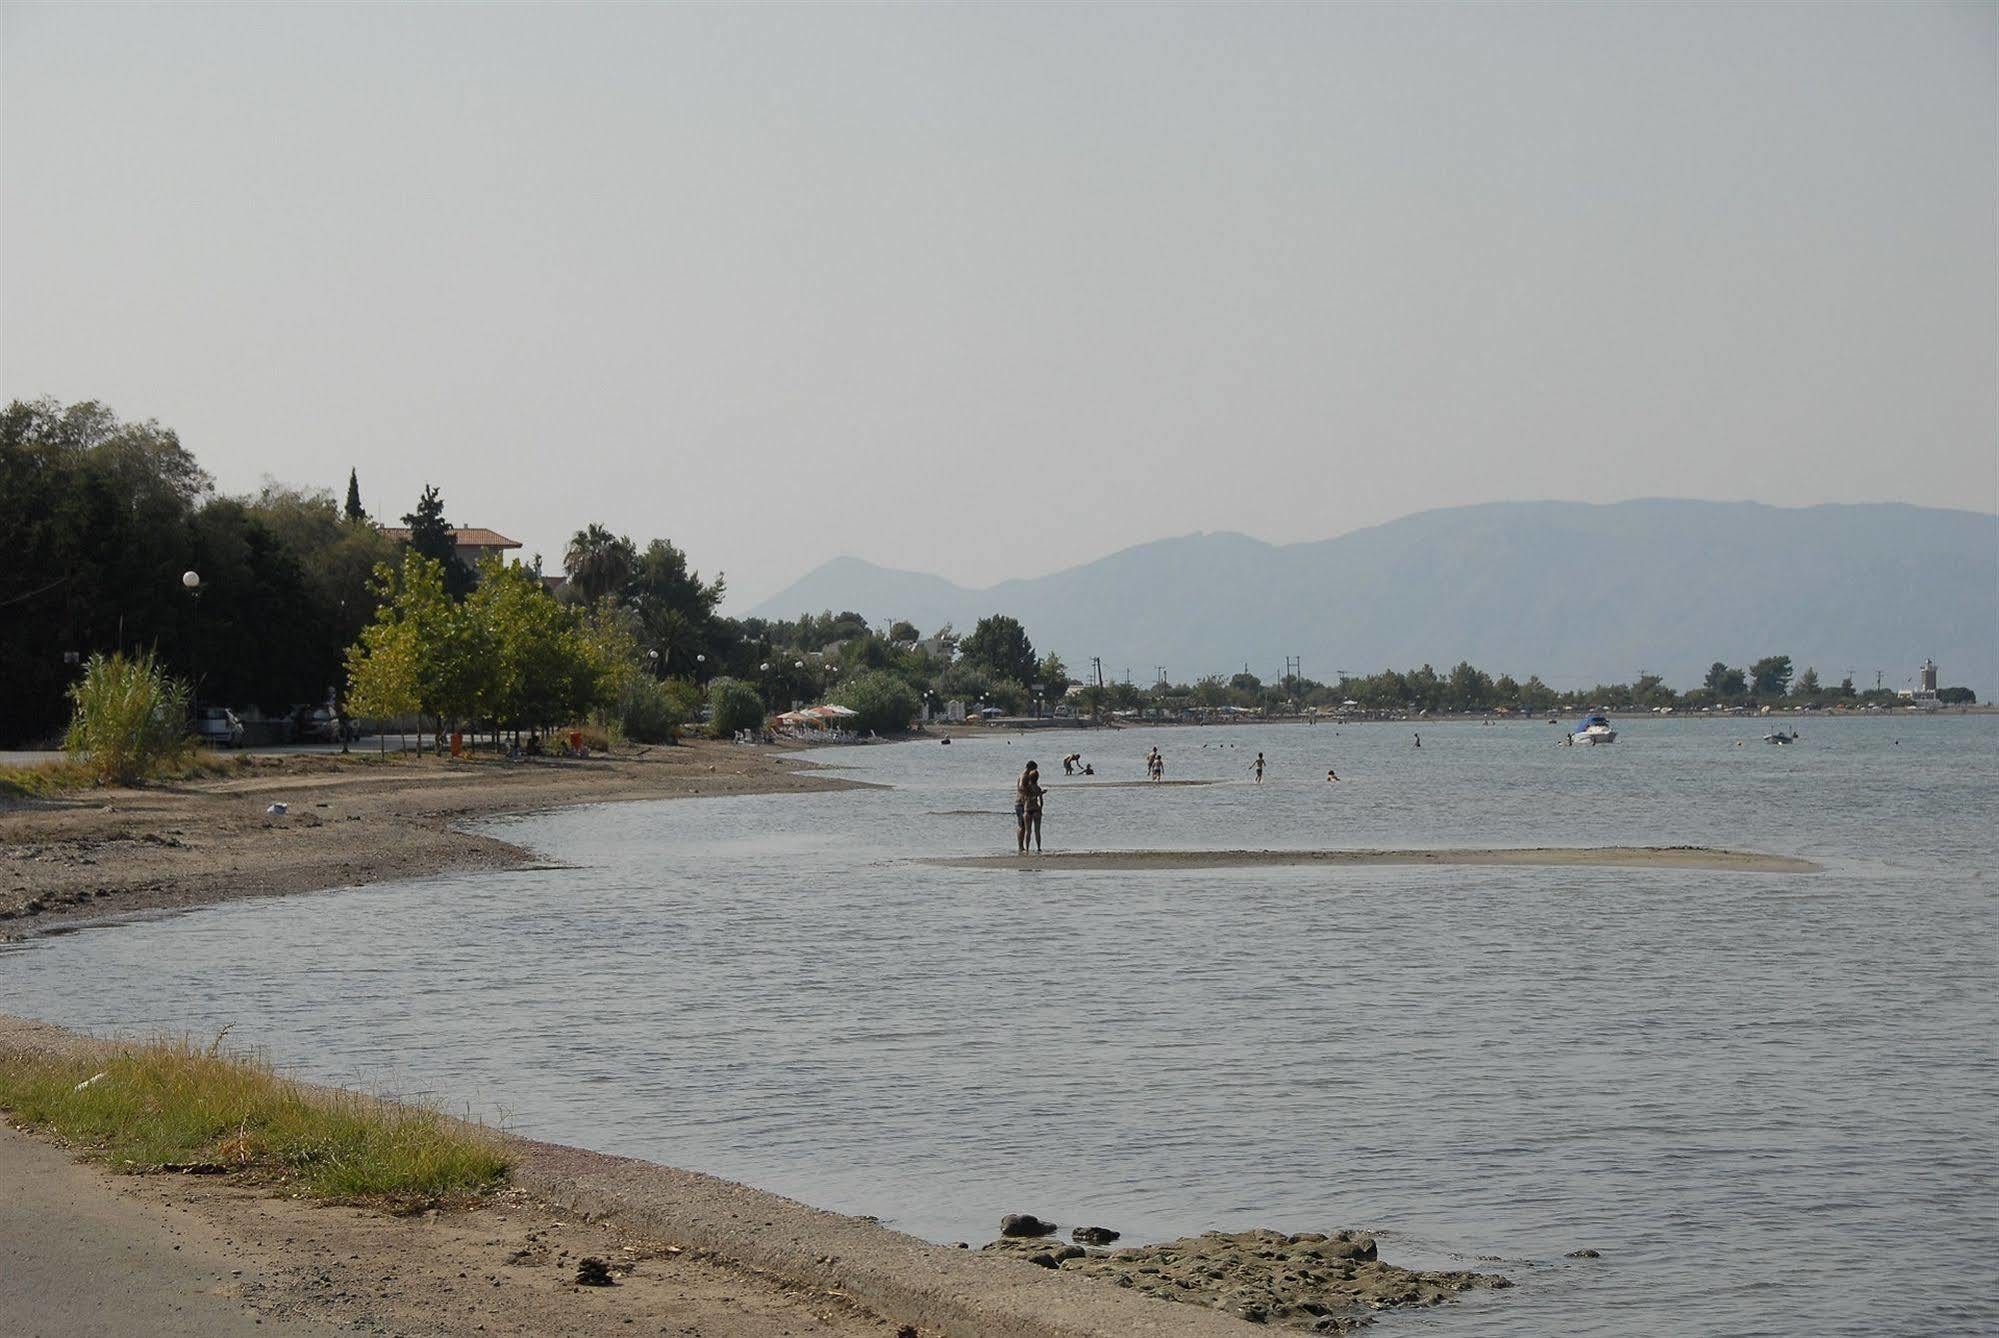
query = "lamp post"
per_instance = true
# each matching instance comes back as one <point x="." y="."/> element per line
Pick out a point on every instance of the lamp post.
<point x="190" y="581"/>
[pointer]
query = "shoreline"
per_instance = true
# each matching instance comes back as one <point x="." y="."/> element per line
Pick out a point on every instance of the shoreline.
<point x="755" y="1260"/>
<point x="349" y="822"/>
<point x="1606" y="857"/>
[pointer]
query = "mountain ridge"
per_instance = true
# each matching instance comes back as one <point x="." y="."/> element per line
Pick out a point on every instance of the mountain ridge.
<point x="1580" y="592"/>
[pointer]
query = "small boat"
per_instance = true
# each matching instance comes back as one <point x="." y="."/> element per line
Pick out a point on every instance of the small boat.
<point x="1593" y="730"/>
<point x="1780" y="736"/>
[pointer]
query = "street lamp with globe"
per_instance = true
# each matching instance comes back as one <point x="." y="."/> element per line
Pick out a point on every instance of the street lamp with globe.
<point x="190" y="581"/>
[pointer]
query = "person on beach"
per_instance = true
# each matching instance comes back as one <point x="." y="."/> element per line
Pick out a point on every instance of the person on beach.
<point x="1027" y="806"/>
<point x="1259" y="768"/>
<point x="1419" y="740"/>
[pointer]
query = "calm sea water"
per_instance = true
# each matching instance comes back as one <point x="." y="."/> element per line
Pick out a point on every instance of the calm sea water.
<point x="1770" y="1101"/>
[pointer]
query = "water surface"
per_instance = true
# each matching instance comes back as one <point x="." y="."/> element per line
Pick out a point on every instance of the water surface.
<point x="1769" y="1100"/>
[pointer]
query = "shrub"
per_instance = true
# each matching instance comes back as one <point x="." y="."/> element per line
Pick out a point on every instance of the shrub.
<point x="735" y="705"/>
<point x="647" y="712"/>
<point x="885" y="703"/>
<point x="131" y="718"/>
<point x="685" y="696"/>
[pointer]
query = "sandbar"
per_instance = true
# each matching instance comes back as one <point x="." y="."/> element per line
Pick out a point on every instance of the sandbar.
<point x="1614" y="857"/>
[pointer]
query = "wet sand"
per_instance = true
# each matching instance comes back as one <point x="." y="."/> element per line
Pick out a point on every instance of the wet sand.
<point x="348" y="821"/>
<point x="1613" y="857"/>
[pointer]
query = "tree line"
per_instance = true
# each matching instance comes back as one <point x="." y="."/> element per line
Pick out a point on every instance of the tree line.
<point x="301" y="599"/>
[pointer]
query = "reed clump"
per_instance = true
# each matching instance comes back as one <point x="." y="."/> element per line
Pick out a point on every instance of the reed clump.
<point x="172" y="1106"/>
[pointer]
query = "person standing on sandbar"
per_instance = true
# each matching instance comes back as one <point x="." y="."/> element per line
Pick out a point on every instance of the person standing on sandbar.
<point x="1027" y="798"/>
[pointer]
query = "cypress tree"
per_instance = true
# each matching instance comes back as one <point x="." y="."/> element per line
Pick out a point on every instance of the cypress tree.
<point x="354" y="511"/>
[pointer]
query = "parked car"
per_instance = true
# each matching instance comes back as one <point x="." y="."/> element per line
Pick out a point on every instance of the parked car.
<point x="318" y="724"/>
<point x="218" y="727"/>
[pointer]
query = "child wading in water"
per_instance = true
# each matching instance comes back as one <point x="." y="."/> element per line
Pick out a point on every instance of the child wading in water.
<point x="1027" y="807"/>
<point x="1259" y="768"/>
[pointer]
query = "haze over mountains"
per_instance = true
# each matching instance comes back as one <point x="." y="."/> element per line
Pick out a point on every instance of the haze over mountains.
<point x="1580" y="594"/>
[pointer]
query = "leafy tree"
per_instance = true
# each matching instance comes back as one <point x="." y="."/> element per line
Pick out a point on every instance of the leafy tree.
<point x="1807" y="686"/>
<point x="904" y="630"/>
<point x="450" y="650"/>
<point x="676" y="608"/>
<point x="1053" y="675"/>
<point x="733" y="705"/>
<point x="1725" y="683"/>
<point x="1245" y="682"/>
<point x="1957" y="696"/>
<point x="98" y="516"/>
<point x="353" y="510"/>
<point x="885" y="703"/>
<point x="540" y="669"/>
<point x="999" y="644"/>
<point x="1470" y="688"/>
<point x="1771" y="675"/>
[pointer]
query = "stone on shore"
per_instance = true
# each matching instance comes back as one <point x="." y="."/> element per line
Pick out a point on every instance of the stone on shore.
<point x="1025" y="1225"/>
<point x="1093" y="1235"/>
<point x="1314" y="1281"/>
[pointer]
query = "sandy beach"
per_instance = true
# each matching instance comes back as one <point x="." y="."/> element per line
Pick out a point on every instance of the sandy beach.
<point x="1613" y="857"/>
<point x="349" y="821"/>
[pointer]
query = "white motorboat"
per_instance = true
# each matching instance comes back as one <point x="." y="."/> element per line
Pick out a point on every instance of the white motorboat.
<point x="1593" y="730"/>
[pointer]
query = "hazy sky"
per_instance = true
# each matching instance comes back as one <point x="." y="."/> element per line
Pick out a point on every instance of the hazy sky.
<point x="990" y="291"/>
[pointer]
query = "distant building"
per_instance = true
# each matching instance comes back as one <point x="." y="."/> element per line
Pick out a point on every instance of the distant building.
<point x="1928" y="677"/>
<point x="473" y="545"/>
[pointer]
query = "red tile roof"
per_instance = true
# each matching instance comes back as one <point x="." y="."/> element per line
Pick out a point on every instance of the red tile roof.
<point x="464" y="537"/>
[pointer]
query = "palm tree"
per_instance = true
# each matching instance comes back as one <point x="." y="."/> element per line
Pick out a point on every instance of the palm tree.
<point x="598" y="562"/>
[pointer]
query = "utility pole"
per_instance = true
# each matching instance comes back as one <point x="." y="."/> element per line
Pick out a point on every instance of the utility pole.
<point x="1293" y="667"/>
<point x="1877" y="678"/>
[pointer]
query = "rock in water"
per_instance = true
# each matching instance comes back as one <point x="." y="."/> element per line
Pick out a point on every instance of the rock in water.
<point x="1025" y="1224"/>
<point x="1582" y="1254"/>
<point x="1093" y="1235"/>
<point x="1315" y="1281"/>
<point x="594" y="1272"/>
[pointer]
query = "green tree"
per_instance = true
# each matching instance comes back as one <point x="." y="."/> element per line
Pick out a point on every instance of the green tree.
<point x="540" y="669"/>
<point x="598" y="563"/>
<point x="1053" y="675"/>
<point x="98" y="518"/>
<point x="1725" y="683"/>
<point x="999" y="644"/>
<point x="1470" y="688"/>
<point x="1807" y="686"/>
<point x="1771" y="676"/>
<point x="884" y="702"/>
<point x="733" y="705"/>
<point x="904" y="630"/>
<point x="448" y="648"/>
<point x="431" y="537"/>
<point x="354" y="510"/>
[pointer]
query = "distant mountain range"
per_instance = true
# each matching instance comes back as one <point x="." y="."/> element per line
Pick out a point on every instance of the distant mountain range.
<point x="1577" y="593"/>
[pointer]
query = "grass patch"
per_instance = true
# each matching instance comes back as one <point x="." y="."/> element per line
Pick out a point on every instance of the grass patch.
<point x="169" y="1105"/>
<point x="53" y="780"/>
<point x="44" y="780"/>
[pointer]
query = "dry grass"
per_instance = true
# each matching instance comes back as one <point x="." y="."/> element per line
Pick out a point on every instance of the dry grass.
<point x="54" y="779"/>
<point x="170" y="1105"/>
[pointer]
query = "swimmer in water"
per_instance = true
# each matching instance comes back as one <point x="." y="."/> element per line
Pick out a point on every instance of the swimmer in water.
<point x="1332" y="775"/>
